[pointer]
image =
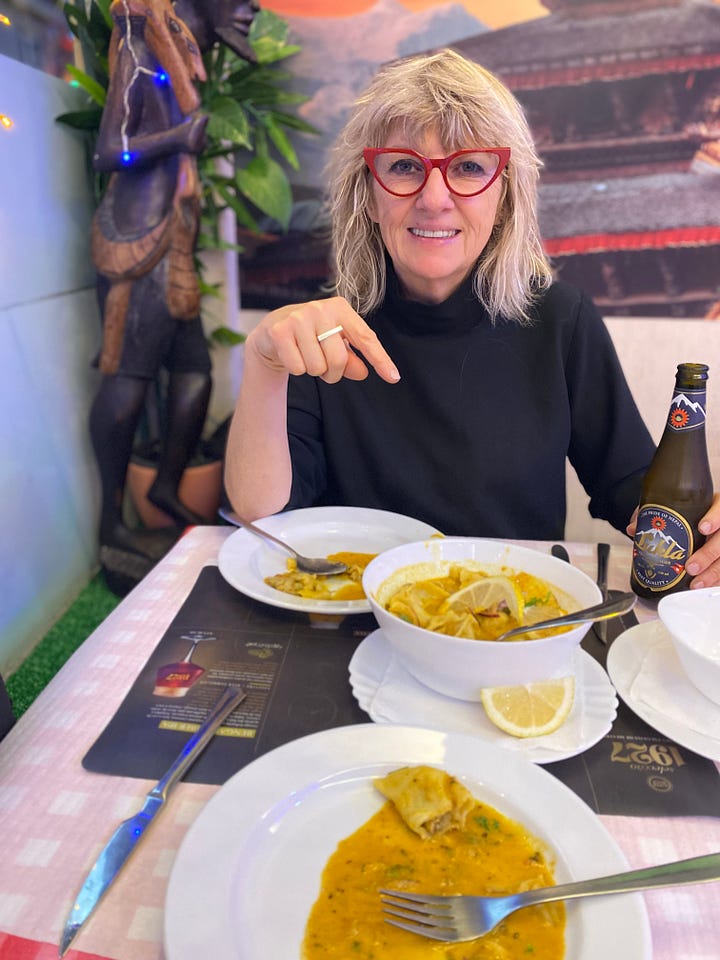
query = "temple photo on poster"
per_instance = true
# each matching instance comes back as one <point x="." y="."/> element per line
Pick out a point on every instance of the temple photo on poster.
<point x="623" y="98"/>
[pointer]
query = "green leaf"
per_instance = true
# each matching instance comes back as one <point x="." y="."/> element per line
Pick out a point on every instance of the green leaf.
<point x="295" y="123"/>
<point x="76" y="19"/>
<point x="209" y="289"/>
<point x="226" y="337"/>
<point x="228" y="121"/>
<point x="235" y="203"/>
<point x="282" y="143"/>
<point x="82" y="119"/>
<point x="90" y="86"/>
<point x="268" y="37"/>
<point x="265" y="184"/>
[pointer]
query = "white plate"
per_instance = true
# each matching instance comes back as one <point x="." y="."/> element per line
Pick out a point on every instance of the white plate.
<point x="245" y="560"/>
<point x="628" y="654"/>
<point x="249" y="868"/>
<point x="389" y="694"/>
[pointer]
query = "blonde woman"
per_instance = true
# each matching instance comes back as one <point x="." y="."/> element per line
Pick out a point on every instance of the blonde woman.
<point x="450" y="376"/>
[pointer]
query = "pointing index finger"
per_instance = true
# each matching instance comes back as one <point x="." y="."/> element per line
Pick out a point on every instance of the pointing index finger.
<point x="366" y="342"/>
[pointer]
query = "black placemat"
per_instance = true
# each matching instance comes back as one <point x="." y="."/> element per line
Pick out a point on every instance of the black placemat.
<point x="636" y="771"/>
<point x="295" y="675"/>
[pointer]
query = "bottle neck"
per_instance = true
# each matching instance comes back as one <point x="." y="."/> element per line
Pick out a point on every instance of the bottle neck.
<point x="687" y="408"/>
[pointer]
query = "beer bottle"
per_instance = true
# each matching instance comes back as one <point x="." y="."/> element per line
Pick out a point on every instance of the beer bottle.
<point x="676" y="492"/>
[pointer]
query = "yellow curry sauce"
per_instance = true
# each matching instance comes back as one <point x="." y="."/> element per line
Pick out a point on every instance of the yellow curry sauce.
<point x="491" y="855"/>
<point x="428" y="602"/>
<point x="345" y="586"/>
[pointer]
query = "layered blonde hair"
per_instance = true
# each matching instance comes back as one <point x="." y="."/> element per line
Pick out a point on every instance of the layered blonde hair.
<point x="466" y="106"/>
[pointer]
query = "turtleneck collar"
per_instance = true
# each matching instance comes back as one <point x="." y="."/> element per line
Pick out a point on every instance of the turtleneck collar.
<point x="459" y="313"/>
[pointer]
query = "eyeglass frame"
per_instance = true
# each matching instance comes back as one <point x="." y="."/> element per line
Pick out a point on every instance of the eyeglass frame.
<point x="441" y="163"/>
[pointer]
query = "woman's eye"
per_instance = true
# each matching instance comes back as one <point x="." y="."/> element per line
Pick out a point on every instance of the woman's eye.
<point x="403" y="167"/>
<point x="470" y="168"/>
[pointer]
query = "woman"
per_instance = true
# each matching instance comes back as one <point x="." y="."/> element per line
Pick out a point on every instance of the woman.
<point x="450" y="377"/>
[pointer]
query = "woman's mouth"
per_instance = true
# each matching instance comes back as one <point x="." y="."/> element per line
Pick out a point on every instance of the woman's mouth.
<point x="434" y="234"/>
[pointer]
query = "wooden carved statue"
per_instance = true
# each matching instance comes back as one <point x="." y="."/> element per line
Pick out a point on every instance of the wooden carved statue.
<point x="143" y="239"/>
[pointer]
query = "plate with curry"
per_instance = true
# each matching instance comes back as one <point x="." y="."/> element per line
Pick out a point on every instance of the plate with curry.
<point x="287" y="858"/>
<point x="352" y="535"/>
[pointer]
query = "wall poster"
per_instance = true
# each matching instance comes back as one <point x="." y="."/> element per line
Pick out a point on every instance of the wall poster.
<point x="623" y="97"/>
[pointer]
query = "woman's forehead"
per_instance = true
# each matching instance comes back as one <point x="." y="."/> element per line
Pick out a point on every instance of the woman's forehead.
<point x="430" y="140"/>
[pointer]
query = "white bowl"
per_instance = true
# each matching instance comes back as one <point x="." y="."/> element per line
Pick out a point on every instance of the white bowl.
<point x="692" y="618"/>
<point x="459" y="667"/>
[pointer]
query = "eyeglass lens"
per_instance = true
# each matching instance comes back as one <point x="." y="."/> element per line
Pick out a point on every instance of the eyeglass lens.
<point x="466" y="174"/>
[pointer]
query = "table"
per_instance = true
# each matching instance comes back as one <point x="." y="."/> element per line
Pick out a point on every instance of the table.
<point x="56" y="816"/>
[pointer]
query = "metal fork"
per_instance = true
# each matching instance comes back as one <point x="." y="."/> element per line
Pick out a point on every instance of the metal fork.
<point x="457" y="918"/>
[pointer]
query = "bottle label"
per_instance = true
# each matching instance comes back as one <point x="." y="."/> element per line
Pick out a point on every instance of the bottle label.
<point x="687" y="410"/>
<point x="663" y="541"/>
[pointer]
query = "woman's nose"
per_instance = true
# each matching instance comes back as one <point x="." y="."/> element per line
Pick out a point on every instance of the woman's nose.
<point x="435" y="194"/>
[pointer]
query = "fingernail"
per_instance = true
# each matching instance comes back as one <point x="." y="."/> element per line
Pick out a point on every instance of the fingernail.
<point x="393" y="373"/>
<point x="697" y="585"/>
<point x="705" y="527"/>
<point x="693" y="568"/>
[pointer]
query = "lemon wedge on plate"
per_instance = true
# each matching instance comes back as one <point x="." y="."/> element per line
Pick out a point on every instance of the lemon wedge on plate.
<point x="530" y="710"/>
<point x="496" y="594"/>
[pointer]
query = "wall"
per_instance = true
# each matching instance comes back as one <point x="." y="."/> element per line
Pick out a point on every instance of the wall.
<point x="48" y="336"/>
<point x="650" y="350"/>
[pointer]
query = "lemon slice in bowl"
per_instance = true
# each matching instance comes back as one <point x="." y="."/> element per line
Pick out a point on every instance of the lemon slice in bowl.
<point x="491" y="595"/>
<point x="532" y="709"/>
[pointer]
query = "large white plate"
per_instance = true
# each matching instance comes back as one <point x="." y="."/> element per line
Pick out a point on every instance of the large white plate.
<point x="245" y="560"/>
<point x="249" y="868"/>
<point x="389" y="694"/>
<point x="627" y="656"/>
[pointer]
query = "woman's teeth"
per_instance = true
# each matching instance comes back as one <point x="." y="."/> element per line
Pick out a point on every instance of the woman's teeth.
<point x="433" y="234"/>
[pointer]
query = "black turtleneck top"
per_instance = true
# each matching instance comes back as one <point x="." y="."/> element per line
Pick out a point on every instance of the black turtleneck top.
<point x="474" y="437"/>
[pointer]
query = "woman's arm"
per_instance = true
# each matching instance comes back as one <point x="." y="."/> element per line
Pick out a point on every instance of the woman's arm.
<point x="258" y="471"/>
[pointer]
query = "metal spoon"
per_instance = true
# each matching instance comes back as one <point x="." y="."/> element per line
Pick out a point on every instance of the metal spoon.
<point x="317" y="565"/>
<point x="601" y="611"/>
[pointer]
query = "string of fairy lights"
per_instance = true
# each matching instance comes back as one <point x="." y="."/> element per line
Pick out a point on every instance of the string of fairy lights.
<point x="5" y="121"/>
<point x="139" y="70"/>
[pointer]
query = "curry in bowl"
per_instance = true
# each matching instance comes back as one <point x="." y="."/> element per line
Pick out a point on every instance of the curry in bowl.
<point x="466" y="599"/>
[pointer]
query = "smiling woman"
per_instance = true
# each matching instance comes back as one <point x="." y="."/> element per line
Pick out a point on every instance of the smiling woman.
<point x="464" y="368"/>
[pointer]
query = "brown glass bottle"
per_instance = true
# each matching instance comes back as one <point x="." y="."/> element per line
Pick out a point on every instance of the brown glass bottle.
<point x="676" y="492"/>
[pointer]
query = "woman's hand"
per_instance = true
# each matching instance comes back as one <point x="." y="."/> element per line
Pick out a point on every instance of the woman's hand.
<point x="704" y="564"/>
<point x="287" y="340"/>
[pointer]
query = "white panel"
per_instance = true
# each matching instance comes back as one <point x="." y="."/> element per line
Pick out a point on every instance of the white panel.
<point x="46" y="204"/>
<point x="48" y="485"/>
<point x="650" y="349"/>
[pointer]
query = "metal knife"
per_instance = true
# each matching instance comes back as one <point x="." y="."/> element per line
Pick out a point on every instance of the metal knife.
<point x="130" y="832"/>
<point x="603" y="555"/>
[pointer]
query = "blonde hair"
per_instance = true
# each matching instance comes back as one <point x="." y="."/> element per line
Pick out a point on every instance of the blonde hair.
<point x="465" y="105"/>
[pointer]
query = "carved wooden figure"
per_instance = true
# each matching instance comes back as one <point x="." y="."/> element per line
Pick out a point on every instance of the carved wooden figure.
<point x="143" y="240"/>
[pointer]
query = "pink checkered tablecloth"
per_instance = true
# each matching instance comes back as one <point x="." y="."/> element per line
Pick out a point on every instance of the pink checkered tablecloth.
<point x="56" y="816"/>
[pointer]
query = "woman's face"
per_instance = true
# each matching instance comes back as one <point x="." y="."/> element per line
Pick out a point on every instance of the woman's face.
<point x="435" y="237"/>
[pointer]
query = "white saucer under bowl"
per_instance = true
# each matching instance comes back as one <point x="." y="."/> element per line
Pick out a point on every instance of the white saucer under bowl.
<point x="389" y="694"/>
<point x="649" y="677"/>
